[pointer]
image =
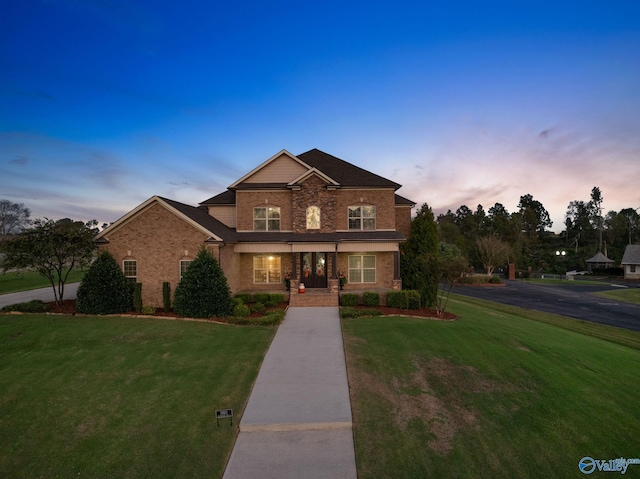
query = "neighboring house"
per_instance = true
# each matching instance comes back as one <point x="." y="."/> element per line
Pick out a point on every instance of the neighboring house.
<point x="311" y="217"/>
<point x="631" y="261"/>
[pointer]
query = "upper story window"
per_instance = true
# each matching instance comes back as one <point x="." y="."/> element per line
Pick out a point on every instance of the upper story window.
<point x="362" y="217"/>
<point x="130" y="269"/>
<point x="266" y="219"/>
<point x="313" y="218"/>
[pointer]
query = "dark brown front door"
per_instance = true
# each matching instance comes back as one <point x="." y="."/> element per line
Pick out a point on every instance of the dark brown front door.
<point x="313" y="270"/>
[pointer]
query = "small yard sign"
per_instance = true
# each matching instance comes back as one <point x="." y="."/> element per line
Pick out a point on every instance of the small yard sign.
<point x="223" y="414"/>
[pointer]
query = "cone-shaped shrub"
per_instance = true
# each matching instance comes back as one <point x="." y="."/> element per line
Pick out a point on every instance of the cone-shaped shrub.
<point x="104" y="288"/>
<point x="203" y="290"/>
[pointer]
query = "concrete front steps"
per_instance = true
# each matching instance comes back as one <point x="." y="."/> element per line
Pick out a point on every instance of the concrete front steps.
<point x="314" y="297"/>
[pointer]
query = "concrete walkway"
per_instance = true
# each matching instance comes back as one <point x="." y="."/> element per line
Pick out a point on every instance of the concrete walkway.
<point x="297" y="423"/>
<point x="43" y="294"/>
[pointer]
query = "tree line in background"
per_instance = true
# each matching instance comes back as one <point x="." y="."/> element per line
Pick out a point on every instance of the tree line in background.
<point x="439" y="251"/>
<point x="526" y="232"/>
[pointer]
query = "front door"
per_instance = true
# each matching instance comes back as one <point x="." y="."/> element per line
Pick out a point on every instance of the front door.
<point x="313" y="270"/>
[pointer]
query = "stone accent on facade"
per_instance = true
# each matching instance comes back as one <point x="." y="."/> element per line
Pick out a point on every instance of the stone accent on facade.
<point x="313" y="192"/>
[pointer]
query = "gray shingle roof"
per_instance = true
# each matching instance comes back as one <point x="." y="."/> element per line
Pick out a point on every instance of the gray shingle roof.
<point x="631" y="254"/>
<point x="201" y="216"/>
<point x="344" y="172"/>
<point x="225" y="198"/>
<point x="599" y="258"/>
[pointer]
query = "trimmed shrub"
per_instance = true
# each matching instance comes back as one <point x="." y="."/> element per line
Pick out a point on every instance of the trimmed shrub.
<point x="137" y="297"/>
<point x="271" y="319"/>
<point x="371" y="299"/>
<point x="34" y="306"/>
<point x="349" y="299"/>
<point x="148" y="310"/>
<point x="166" y="296"/>
<point x="495" y="280"/>
<point x="257" y="307"/>
<point x="413" y="299"/>
<point x="347" y="312"/>
<point x="245" y="297"/>
<point x="203" y="291"/>
<point x="277" y="298"/>
<point x="397" y="299"/>
<point x="236" y="302"/>
<point x="241" y="310"/>
<point x="405" y="299"/>
<point x="261" y="297"/>
<point x="270" y="304"/>
<point x="104" y="288"/>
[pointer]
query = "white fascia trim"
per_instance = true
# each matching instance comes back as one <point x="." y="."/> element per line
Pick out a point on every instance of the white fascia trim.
<point x="317" y="172"/>
<point x="273" y="158"/>
<point x="124" y="219"/>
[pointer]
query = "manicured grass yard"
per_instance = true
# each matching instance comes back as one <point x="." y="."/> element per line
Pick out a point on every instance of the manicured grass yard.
<point x="13" y="282"/>
<point x="630" y="295"/>
<point x="121" y="397"/>
<point x="493" y="394"/>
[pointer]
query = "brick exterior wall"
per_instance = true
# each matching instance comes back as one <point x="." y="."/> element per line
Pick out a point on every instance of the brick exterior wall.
<point x="157" y="240"/>
<point x="384" y="271"/>
<point x="247" y="200"/>
<point x="384" y="201"/>
<point x="403" y="220"/>
<point x="244" y="278"/>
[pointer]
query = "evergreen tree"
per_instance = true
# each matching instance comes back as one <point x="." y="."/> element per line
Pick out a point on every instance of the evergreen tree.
<point x="104" y="288"/>
<point x="203" y="291"/>
<point x="417" y="253"/>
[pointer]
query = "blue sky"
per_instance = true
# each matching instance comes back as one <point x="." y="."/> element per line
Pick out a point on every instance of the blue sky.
<point x="107" y="103"/>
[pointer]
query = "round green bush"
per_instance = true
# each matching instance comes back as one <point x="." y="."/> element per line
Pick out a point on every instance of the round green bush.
<point x="257" y="307"/>
<point x="241" y="310"/>
<point x="203" y="291"/>
<point x="104" y="288"/>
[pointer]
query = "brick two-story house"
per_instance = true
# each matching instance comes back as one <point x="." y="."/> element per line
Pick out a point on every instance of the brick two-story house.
<point x="311" y="217"/>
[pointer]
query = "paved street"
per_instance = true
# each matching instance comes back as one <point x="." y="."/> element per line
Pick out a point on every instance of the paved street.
<point x="43" y="294"/>
<point x="572" y="300"/>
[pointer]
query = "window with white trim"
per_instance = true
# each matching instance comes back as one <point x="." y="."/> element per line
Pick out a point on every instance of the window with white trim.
<point x="362" y="217"/>
<point x="130" y="269"/>
<point x="267" y="269"/>
<point x="266" y="218"/>
<point x="184" y="264"/>
<point x="362" y="268"/>
<point x="313" y="218"/>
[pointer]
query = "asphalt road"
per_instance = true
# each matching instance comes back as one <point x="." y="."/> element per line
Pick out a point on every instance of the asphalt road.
<point x="43" y="294"/>
<point x="574" y="301"/>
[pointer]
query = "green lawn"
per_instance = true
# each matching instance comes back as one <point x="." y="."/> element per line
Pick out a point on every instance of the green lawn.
<point x="13" y="282"/>
<point x="121" y="397"/>
<point x="497" y="393"/>
<point x="630" y="295"/>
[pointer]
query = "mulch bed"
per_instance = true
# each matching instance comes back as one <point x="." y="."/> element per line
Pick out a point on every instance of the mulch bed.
<point x="422" y="313"/>
<point x="68" y="306"/>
